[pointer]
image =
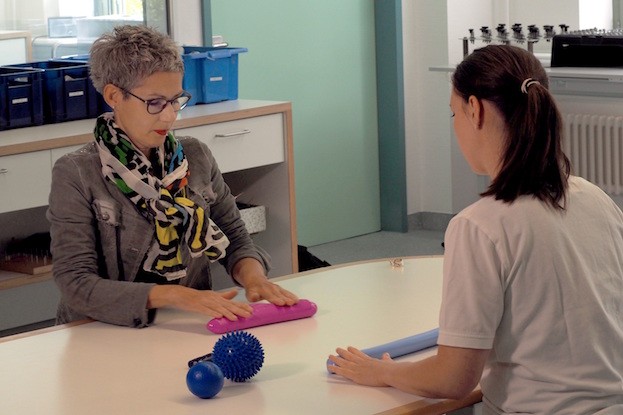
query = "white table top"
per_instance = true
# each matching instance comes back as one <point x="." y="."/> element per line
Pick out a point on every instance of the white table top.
<point x="97" y="368"/>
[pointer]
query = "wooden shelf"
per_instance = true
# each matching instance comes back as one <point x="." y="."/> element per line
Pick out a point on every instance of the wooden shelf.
<point x="10" y="279"/>
<point x="71" y="133"/>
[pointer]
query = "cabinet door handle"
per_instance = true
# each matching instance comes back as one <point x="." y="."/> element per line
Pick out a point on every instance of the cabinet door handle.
<point x="4" y="171"/>
<point x="235" y="133"/>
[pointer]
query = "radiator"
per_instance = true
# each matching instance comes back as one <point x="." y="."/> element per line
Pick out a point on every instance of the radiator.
<point x="594" y="144"/>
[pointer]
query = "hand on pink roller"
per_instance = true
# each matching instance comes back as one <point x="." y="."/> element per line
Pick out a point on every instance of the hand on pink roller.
<point x="263" y="314"/>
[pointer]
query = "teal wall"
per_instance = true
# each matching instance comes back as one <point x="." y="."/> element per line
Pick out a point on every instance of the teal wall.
<point x="390" y="92"/>
<point x="320" y="55"/>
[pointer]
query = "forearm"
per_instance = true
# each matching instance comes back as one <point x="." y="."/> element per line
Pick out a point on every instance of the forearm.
<point x="212" y="303"/>
<point x="248" y="271"/>
<point x="453" y="373"/>
<point x="431" y="378"/>
<point x="161" y="296"/>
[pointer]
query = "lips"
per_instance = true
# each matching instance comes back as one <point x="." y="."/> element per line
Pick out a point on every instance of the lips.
<point x="161" y="132"/>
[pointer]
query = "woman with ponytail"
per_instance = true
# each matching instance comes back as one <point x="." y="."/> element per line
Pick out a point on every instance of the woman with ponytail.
<point x="532" y="306"/>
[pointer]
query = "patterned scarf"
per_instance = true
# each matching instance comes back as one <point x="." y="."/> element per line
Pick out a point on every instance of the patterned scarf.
<point x="175" y="215"/>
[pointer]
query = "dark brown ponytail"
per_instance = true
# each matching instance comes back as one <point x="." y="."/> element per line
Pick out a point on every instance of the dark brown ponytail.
<point x="533" y="162"/>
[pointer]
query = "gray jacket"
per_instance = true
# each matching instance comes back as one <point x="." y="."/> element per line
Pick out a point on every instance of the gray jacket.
<point x="99" y="239"/>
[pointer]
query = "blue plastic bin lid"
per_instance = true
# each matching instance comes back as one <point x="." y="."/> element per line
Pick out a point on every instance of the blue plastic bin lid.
<point x="80" y="58"/>
<point x="212" y="53"/>
<point x="16" y="70"/>
<point x="52" y="65"/>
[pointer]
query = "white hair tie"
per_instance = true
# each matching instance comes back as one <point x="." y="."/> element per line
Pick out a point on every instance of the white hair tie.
<point x="526" y="84"/>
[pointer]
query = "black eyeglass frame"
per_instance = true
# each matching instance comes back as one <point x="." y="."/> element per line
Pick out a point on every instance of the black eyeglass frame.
<point x="163" y="102"/>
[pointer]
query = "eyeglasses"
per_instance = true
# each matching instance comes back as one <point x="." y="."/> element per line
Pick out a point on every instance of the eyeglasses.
<point x="156" y="106"/>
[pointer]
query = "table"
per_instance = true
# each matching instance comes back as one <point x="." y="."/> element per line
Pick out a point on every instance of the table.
<point x="96" y="368"/>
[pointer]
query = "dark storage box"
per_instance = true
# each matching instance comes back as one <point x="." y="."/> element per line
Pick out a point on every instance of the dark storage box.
<point x="603" y="50"/>
<point x="21" y="102"/>
<point x="68" y="93"/>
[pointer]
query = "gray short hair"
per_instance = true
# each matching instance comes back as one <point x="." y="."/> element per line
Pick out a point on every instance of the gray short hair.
<point x="129" y="54"/>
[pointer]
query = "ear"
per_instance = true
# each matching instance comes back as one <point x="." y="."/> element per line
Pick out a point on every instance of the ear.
<point x="475" y="111"/>
<point x="112" y="95"/>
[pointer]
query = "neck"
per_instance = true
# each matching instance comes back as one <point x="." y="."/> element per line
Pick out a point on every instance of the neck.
<point x="493" y="133"/>
<point x="146" y="151"/>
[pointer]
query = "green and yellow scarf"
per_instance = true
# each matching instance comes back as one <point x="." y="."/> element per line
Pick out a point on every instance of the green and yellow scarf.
<point x="175" y="216"/>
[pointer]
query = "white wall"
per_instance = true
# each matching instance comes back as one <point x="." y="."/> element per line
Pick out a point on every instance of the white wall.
<point x="438" y="178"/>
<point x="75" y="8"/>
<point x="427" y="127"/>
<point x="595" y="14"/>
<point x="27" y="14"/>
<point x="462" y="16"/>
<point x="471" y="14"/>
<point x="186" y="21"/>
<point x="578" y="14"/>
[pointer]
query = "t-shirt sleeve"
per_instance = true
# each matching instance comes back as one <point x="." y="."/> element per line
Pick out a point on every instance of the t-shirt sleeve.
<point x="473" y="296"/>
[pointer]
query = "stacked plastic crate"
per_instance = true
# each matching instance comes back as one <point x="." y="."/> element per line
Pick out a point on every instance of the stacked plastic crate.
<point x="211" y="74"/>
<point x="61" y="90"/>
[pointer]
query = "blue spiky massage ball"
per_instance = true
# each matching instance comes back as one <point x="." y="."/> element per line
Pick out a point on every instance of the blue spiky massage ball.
<point x="239" y="355"/>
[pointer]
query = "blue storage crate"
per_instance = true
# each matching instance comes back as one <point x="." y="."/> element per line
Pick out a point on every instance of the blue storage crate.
<point x="68" y="93"/>
<point x="211" y="74"/>
<point x="21" y="102"/>
<point x="101" y="105"/>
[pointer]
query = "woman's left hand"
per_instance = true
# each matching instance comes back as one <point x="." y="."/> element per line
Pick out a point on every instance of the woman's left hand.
<point x="357" y="366"/>
<point x="266" y="290"/>
<point x="250" y="274"/>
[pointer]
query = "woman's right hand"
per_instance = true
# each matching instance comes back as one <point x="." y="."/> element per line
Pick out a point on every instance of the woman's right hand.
<point x="213" y="303"/>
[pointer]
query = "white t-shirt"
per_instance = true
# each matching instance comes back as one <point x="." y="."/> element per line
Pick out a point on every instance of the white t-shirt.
<point x="543" y="289"/>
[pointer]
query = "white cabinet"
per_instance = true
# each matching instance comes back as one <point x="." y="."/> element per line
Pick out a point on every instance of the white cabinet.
<point x="25" y="180"/>
<point x="243" y="144"/>
<point x="57" y="153"/>
<point x="251" y="141"/>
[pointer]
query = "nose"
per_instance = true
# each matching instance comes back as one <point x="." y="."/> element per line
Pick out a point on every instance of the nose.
<point x="168" y="113"/>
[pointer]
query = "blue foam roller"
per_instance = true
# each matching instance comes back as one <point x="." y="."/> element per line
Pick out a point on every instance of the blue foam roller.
<point x="403" y="346"/>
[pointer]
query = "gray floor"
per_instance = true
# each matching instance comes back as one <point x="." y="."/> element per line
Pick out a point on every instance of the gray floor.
<point x="381" y="244"/>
